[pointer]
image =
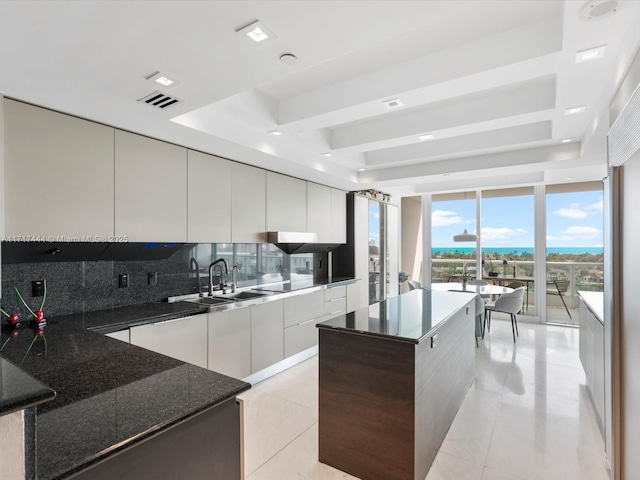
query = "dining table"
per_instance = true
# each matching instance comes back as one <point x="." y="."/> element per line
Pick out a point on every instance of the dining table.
<point x="485" y="291"/>
<point x="506" y="279"/>
<point x="482" y="290"/>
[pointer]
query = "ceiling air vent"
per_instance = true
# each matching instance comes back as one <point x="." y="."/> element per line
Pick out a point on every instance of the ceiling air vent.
<point x="597" y="9"/>
<point x="160" y="100"/>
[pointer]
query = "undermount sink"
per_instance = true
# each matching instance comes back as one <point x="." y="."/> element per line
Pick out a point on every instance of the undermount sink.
<point x="244" y="295"/>
<point x="211" y="300"/>
<point x="228" y="298"/>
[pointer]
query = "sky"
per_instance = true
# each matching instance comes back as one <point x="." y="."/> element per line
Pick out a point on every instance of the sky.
<point x="573" y="220"/>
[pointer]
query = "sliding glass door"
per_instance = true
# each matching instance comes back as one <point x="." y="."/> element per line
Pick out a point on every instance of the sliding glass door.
<point x="452" y="214"/>
<point x="574" y="247"/>
<point x="507" y="239"/>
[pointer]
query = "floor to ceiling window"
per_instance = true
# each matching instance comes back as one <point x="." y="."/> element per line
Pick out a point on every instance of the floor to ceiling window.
<point x="507" y="240"/>
<point x="574" y="247"/>
<point x="451" y="214"/>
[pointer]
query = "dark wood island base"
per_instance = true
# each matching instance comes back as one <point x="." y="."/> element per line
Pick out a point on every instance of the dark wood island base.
<point x="387" y="402"/>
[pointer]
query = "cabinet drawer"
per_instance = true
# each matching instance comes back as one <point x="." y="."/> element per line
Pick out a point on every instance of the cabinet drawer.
<point x="337" y="306"/>
<point x="300" y="337"/>
<point x="335" y="292"/>
<point x="303" y="307"/>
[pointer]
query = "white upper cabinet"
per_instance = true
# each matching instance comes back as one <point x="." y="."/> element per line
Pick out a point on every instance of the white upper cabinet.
<point x="151" y="189"/>
<point x="58" y="174"/>
<point x="248" y="208"/>
<point x="319" y="209"/>
<point x="209" y="198"/>
<point x="338" y="216"/>
<point x="286" y="203"/>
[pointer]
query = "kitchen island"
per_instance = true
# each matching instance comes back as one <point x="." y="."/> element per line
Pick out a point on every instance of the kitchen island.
<point x="392" y="377"/>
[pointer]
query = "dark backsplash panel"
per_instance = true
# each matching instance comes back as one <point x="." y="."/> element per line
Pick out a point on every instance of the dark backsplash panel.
<point x="74" y="287"/>
<point x="84" y="286"/>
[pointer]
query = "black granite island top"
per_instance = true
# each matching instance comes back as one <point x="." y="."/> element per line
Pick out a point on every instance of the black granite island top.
<point x="110" y="394"/>
<point x="19" y="390"/>
<point x="409" y="317"/>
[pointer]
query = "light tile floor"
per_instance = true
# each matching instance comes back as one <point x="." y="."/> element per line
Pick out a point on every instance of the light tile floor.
<point x="527" y="417"/>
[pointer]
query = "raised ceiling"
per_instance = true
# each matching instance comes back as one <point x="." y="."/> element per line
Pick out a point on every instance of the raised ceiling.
<point x="488" y="80"/>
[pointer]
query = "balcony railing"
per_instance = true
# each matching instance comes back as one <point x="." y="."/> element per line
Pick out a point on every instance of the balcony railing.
<point x="581" y="275"/>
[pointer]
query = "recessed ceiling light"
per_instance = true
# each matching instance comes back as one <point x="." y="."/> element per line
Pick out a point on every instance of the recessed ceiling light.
<point x="426" y="136"/>
<point x="288" y="59"/>
<point x="393" y="103"/>
<point x="566" y="140"/>
<point x="574" y="110"/>
<point x="361" y="169"/>
<point x="275" y="133"/>
<point x="590" y="54"/>
<point x="326" y="154"/>
<point x="163" y="80"/>
<point x="568" y="178"/>
<point x="257" y="32"/>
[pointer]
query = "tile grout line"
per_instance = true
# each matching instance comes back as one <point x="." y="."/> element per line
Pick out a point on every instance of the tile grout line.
<point x="285" y="446"/>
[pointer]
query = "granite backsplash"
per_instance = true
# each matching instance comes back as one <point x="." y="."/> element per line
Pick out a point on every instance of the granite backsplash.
<point x="74" y="287"/>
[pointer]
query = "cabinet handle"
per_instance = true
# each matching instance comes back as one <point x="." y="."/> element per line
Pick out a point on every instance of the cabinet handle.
<point x="308" y="321"/>
<point x="335" y="300"/>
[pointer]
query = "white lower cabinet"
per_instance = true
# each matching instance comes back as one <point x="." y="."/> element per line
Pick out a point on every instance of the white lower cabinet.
<point x="302" y="307"/>
<point x="592" y="356"/>
<point x="267" y="334"/>
<point x="122" y="335"/>
<point x="305" y="311"/>
<point x="230" y="342"/>
<point x="183" y="338"/>
<point x="298" y="338"/>
<point x="353" y="296"/>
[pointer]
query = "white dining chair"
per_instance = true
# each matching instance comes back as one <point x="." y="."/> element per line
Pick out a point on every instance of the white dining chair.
<point x="510" y="303"/>
<point x="414" y="285"/>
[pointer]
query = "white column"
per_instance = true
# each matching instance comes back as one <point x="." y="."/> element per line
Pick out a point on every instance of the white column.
<point x="540" y="251"/>
<point x="478" y="231"/>
<point x="426" y="240"/>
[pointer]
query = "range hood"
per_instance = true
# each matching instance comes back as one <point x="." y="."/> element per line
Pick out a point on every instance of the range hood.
<point x="298" y="242"/>
<point x="30" y="252"/>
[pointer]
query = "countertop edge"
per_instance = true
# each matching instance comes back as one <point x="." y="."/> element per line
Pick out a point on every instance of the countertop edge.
<point x="415" y="341"/>
<point x="26" y="400"/>
<point x="595" y="306"/>
<point x="142" y="436"/>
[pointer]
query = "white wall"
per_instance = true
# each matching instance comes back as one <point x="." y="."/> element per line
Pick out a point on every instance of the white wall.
<point x="622" y="322"/>
<point x="411" y="248"/>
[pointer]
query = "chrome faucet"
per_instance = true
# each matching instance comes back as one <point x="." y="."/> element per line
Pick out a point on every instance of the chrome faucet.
<point x="194" y="267"/>
<point x="211" y="269"/>
<point x="234" y="278"/>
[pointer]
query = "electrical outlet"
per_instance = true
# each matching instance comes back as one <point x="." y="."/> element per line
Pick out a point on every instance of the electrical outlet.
<point x="123" y="280"/>
<point x="152" y="278"/>
<point x="37" y="288"/>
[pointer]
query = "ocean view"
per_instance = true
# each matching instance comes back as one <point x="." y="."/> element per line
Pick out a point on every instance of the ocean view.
<point x="519" y="251"/>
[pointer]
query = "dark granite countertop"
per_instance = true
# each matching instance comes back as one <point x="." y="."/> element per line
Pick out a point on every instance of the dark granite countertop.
<point x="110" y="394"/>
<point x="410" y="317"/>
<point x="17" y="389"/>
